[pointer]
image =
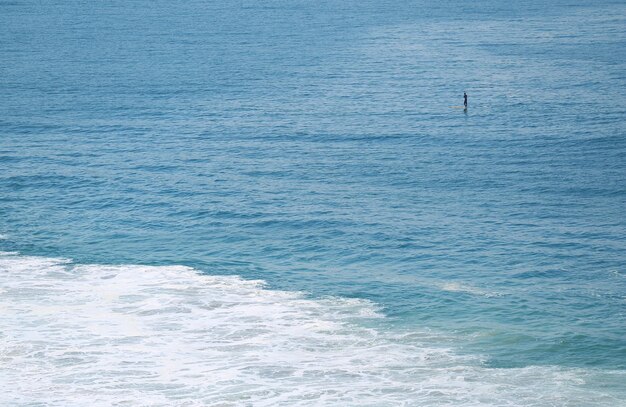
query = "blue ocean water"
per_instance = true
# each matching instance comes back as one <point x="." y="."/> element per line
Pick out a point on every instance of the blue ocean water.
<point x="439" y="256"/>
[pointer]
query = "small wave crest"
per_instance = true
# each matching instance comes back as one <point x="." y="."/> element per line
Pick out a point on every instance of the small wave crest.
<point x="169" y="336"/>
<point x="454" y="286"/>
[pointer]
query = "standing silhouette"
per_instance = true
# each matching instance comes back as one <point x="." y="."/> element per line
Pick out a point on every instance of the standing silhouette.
<point x="465" y="99"/>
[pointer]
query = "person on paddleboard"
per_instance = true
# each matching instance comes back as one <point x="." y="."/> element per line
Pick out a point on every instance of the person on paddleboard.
<point x="465" y="99"/>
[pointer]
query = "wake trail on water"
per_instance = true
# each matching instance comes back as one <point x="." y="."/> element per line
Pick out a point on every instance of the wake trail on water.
<point x="125" y="335"/>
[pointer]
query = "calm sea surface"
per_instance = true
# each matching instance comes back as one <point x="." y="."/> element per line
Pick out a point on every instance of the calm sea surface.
<point x="284" y="203"/>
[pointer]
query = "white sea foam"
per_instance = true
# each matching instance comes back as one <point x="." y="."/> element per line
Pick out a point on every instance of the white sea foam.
<point x="95" y="335"/>
<point x="455" y="286"/>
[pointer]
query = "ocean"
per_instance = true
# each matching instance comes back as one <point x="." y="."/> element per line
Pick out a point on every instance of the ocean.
<point x="284" y="203"/>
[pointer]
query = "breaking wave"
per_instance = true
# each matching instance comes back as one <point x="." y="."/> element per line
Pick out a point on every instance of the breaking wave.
<point x="134" y="335"/>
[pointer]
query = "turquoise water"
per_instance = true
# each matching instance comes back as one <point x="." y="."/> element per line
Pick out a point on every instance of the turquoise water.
<point x="318" y="146"/>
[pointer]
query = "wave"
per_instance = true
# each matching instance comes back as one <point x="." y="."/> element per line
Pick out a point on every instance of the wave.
<point x="125" y="335"/>
<point x="455" y="286"/>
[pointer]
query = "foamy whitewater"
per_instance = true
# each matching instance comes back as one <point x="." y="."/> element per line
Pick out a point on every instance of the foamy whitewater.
<point x="133" y="335"/>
